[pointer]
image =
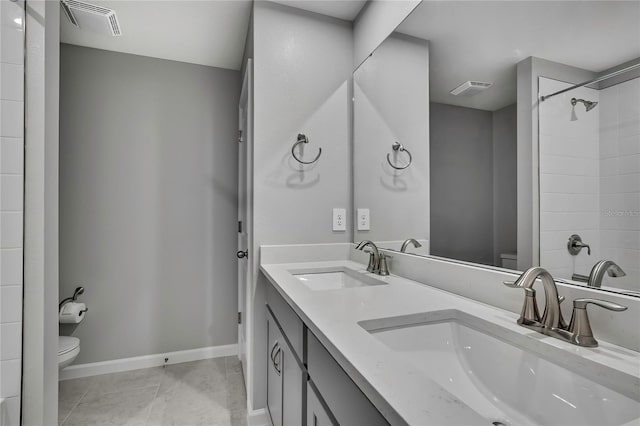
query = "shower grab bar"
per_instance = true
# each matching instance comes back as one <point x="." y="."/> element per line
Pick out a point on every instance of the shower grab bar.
<point x="595" y="80"/>
<point x="303" y="139"/>
<point x="397" y="146"/>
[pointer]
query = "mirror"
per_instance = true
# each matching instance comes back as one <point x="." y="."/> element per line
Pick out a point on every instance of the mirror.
<point x="453" y="148"/>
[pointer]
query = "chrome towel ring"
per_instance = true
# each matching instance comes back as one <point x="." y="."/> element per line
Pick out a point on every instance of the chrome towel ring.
<point x="398" y="147"/>
<point x="303" y="139"/>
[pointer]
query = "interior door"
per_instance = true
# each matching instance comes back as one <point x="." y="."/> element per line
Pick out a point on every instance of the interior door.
<point x="244" y="190"/>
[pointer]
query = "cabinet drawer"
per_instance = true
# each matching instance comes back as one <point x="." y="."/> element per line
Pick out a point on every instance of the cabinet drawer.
<point x="343" y="397"/>
<point x="288" y="320"/>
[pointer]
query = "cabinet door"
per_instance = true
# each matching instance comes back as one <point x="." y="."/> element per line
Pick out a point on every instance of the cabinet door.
<point x="317" y="415"/>
<point x="274" y="372"/>
<point x="293" y="379"/>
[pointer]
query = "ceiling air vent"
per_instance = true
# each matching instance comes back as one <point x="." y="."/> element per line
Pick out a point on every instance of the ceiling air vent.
<point x="90" y="17"/>
<point x="470" y="88"/>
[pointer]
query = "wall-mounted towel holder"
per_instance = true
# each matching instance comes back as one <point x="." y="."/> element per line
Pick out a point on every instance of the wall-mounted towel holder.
<point x="397" y="146"/>
<point x="303" y="139"/>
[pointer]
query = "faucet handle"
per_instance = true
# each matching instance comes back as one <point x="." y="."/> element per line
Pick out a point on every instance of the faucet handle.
<point x="582" y="304"/>
<point x="580" y="326"/>
<point x="383" y="268"/>
<point x="511" y="284"/>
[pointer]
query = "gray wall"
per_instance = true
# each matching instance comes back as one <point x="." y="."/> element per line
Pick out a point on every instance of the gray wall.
<point x="505" y="184"/>
<point x="461" y="183"/>
<point x="301" y="87"/>
<point x="148" y="183"/>
<point x="473" y="183"/>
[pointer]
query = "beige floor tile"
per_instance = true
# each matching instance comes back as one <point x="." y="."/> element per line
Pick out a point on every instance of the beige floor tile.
<point x="69" y="394"/>
<point x="207" y="376"/>
<point x="239" y="418"/>
<point x="186" y="406"/>
<point x="129" y="407"/>
<point x="233" y="365"/>
<point x="127" y="380"/>
<point x="236" y="393"/>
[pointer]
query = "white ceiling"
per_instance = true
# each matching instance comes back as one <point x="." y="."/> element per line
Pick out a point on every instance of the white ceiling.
<point x="483" y="40"/>
<point x="206" y="32"/>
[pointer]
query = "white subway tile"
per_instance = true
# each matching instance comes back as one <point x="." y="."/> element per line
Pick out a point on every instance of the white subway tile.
<point x="623" y="239"/>
<point x="629" y="145"/>
<point x="12" y="32"/>
<point x="10" y="267"/>
<point x="10" y="372"/>
<point x="11" y="194"/>
<point x="569" y="202"/>
<point x="11" y="82"/>
<point x="629" y="126"/>
<point x="11" y="119"/>
<point x="10" y="341"/>
<point x="620" y="183"/>
<point x="550" y="183"/>
<point x="10" y="229"/>
<point x="11" y="156"/>
<point x="557" y="164"/>
<point x="10" y="304"/>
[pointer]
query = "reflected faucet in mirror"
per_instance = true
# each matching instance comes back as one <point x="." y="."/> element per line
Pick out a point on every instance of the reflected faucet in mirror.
<point x="599" y="269"/>
<point x="578" y="331"/>
<point x="408" y="241"/>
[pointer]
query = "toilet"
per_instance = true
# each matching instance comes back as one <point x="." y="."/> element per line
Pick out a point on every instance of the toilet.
<point x="68" y="350"/>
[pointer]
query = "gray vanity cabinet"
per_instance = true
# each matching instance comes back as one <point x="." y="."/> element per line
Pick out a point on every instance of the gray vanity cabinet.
<point x="317" y="414"/>
<point x="305" y="385"/>
<point x="274" y="372"/>
<point x="286" y="374"/>
<point x="343" y="398"/>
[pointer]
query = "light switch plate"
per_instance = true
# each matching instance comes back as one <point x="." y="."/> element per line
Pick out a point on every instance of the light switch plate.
<point x="339" y="219"/>
<point x="364" y="223"/>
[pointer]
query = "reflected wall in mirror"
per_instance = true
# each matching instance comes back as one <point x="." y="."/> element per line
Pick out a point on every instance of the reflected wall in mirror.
<point x="484" y="185"/>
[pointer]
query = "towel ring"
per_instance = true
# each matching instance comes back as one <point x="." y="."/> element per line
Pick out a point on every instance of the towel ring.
<point x="398" y="147"/>
<point x="303" y="139"/>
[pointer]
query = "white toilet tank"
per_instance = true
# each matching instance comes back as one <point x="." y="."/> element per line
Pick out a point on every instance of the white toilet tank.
<point x="509" y="260"/>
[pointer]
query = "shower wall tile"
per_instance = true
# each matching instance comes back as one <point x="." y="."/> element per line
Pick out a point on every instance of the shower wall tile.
<point x="620" y="180"/>
<point x="11" y="156"/>
<point x="11" y="204"/>
<point x="11" y="82"/>
<point x="569" y="179"/>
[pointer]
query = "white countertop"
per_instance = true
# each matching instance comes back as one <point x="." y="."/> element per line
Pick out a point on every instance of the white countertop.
<point x="402" y="393"/>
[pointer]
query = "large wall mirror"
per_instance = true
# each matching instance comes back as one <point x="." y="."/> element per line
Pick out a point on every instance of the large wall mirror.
<point x="467" y="141"/>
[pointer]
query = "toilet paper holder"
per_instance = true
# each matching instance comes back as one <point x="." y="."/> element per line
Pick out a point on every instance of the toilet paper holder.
<point x="78" y="291"/>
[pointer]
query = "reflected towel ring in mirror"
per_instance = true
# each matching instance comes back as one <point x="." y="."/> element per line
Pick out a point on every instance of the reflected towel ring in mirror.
<point x="303" y="139"/>
<point x="398" y="147"/>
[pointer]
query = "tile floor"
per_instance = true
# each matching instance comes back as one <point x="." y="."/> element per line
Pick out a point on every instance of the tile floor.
<point x="208" y="393"/>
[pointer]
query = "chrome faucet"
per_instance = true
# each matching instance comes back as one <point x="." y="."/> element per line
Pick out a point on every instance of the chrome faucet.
<point x="377" y="260"/>
<point x="578" y="331"/>
<point x="599" y="269"/>
<point x="408" y="241"/>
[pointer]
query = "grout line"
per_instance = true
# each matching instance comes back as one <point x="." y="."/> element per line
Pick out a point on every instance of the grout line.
<point x="76" y="404"/>
<point x="153" y="401"/>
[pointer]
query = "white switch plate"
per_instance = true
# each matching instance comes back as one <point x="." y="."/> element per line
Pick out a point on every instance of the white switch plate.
<point x="364" y="223"/>
<point x="339" y="219"/>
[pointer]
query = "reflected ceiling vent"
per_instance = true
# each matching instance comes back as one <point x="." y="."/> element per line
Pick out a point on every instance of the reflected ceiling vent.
<point x="90" y="17"/>
<point x="470" y="88"/>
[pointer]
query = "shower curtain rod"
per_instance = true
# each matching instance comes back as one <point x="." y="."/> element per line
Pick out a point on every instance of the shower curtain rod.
<point x="595" y="80"/>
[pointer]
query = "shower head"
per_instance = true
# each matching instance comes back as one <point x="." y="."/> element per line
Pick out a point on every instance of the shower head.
<point x="589" y="105"/>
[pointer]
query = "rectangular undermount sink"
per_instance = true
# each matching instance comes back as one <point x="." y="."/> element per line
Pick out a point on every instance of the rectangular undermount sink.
<point x="502" y="375"/>
<point x="320" y="279"/>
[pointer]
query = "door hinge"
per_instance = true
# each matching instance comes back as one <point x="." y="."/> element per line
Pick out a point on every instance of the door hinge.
<point x="239" y="226"/>
<point x="239" y="135"/>
<point x="239" y="317"/>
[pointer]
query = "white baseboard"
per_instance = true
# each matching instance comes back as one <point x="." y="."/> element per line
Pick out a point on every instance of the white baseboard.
<point x="146" y="361"/>
<point x="258" y="418"/>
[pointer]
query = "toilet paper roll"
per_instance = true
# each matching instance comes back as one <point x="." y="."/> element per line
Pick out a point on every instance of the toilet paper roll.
<point x="72" y="313"/>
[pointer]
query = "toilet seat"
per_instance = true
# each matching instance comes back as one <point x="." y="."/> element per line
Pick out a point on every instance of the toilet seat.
<point x="68" y="350"/>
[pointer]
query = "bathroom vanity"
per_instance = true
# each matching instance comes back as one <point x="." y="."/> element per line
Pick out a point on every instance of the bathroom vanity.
<point x="349" y="347"/>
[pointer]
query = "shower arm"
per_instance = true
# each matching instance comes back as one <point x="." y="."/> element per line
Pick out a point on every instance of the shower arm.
<point x="595" y="80"/>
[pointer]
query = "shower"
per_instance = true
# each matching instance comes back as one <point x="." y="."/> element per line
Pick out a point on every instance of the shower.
<point x="589" y="105"/>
